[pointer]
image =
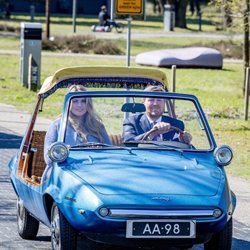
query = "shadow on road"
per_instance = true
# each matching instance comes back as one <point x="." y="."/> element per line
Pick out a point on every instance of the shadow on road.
<point x="9" y="140"/>
<point x="43" y="238"/>
<point x="240" y="244"/>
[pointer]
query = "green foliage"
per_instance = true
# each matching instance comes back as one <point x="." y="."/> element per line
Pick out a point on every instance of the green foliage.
<point x="8" y="28"/>
<point x="235" y="7"/>
<point x="219" y="92"/>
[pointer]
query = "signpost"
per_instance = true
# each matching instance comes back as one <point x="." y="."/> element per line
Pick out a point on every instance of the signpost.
<point x="130" y="7"/>
<point x="74" y="15"/>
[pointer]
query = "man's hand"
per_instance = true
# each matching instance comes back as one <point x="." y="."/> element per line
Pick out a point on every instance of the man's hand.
<point x="162" y="127"/>
<point x="185" y="137"/>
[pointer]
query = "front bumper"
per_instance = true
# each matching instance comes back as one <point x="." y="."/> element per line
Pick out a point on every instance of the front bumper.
<point x="112" y="228"/>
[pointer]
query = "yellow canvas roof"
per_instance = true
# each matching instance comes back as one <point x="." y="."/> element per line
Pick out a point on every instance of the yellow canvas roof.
<point x="51" y="82"/>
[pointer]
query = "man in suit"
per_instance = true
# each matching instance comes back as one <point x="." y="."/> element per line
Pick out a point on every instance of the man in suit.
<point x="135" y="127"/>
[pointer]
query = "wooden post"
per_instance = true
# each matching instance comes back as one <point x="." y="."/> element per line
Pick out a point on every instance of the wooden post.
<point x="47" y="10"/>
<point x="246" y="94"/>
<point x="246" y="41"/>
<point x="173" y="77"/>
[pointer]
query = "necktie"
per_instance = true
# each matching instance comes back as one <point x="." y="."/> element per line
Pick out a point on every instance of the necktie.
<point x="157" y="137"/>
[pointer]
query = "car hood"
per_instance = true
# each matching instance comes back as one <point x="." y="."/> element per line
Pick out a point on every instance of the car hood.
<point x="146" y="172"/>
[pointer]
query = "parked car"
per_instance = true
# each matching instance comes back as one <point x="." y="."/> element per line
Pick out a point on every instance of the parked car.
<point x="141" y="193"/>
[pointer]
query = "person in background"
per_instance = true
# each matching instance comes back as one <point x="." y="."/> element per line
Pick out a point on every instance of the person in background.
<point x="83" y="126"/>
<point x="135" y="127"/>
<point x="195" y="4"/>
<point x="103" y="16"/>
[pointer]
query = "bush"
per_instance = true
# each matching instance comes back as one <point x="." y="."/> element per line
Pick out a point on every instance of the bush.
<point x="229" y="49"/>
<point x="7" y="28"/>
<point x="107" y="48"/>
<point x="81" y="44"/>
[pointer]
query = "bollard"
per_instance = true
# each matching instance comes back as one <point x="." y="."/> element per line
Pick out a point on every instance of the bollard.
<point x="31" y="36"/>
<point x="169" y="18"/>
<point x="173" y="78"/>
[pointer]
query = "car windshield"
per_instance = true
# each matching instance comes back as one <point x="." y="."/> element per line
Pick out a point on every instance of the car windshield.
<point x="119" y="121"/>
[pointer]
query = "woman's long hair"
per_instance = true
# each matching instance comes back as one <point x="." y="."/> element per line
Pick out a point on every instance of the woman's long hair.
<point x="90" y="123"/>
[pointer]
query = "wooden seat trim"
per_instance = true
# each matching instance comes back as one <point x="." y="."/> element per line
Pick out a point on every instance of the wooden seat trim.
<point x="116" y="140"/>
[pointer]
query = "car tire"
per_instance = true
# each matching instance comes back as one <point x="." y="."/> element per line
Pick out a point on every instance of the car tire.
<point x="221" y="240"/>
<point x="26" y="224"/>
<point x="63" y="236"/>
<point x="93" y="27"/>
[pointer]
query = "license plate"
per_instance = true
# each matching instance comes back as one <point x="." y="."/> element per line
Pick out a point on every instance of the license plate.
<point x="160" y="229"/>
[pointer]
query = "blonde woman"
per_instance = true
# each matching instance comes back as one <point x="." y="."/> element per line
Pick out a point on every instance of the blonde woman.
<point x="83" y="125"/>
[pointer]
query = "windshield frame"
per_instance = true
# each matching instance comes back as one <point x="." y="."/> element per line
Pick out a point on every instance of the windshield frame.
<point x="133" y="93"/>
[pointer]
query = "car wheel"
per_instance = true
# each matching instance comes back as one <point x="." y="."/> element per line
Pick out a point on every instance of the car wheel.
<point x="27" y="225"/>
<point x="63" y="236"/>
<point x="119" y="27"/>
<point x="221" y="240"/>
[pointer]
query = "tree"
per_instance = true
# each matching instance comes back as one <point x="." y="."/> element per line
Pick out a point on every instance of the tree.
<point x="47" y="13"/>
<point x="180" y="13"/>
<point x="6" y="8"/>
<point x="239" y="8"/>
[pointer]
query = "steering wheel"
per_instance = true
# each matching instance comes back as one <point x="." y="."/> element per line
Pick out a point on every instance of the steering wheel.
<point x="147" y="134"/>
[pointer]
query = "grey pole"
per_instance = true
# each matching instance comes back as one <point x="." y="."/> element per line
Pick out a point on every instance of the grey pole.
<point x="112" y="10"/>
<point x="144" y="10"/>
<point x="129" y="19"/>
<point x="246" y="95"/>
<point x="32" y="12"/>
<point x="74" y="16"/>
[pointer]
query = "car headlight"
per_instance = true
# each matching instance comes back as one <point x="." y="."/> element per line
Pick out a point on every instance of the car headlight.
<point x="58" y="152"/>
<point x="223" y="155"/>
<point x="104" y="211"/>
<point x="217" y="213"/>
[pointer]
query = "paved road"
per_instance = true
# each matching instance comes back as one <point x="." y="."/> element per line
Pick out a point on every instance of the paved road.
<point x="12" y="127"/>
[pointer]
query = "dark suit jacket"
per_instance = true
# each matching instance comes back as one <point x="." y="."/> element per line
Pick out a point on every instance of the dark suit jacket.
<point x="134" y="127"/>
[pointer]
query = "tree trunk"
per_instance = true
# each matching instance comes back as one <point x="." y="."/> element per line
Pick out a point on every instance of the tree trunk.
<point x="227" y="15"/>
<point x="47" y="10"/>
<point x="246" y="42"/>
<point x="180" y="13"/>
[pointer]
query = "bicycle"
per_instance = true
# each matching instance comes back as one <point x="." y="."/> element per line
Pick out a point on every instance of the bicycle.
<point x="119" y="27"/>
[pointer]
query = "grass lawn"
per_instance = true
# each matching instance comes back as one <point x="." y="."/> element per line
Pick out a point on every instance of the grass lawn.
<point x="62" y="26"/>
<point x="219" y="92"/>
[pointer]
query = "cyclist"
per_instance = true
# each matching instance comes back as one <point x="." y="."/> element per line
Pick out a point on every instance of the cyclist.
<point x="103" y="16"/>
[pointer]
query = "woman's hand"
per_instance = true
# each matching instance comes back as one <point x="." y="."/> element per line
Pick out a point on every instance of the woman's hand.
<point x="185" y="137"/>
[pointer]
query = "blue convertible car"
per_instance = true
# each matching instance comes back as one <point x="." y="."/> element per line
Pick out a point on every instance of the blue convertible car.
<point x="131" y="188"/>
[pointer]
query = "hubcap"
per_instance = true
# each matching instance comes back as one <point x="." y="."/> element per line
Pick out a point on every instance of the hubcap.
<point x="55" y="230"/>
<point x="20" y="213"/>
